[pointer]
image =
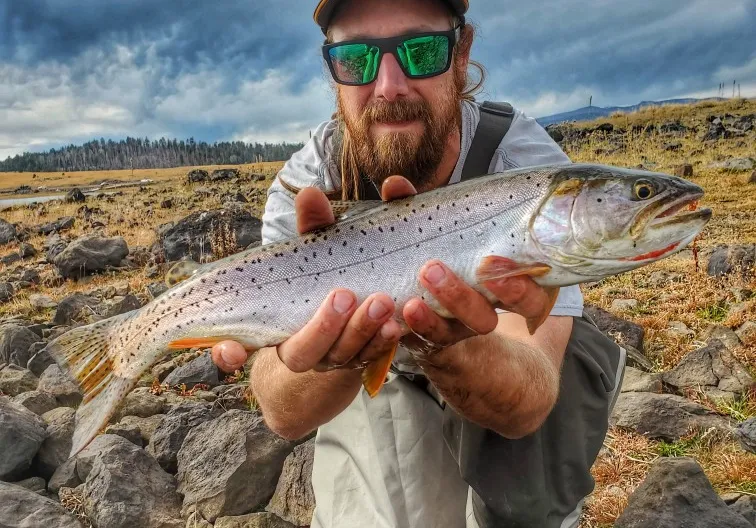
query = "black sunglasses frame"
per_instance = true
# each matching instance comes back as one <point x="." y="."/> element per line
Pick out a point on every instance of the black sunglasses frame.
<point x="389" y="45"/>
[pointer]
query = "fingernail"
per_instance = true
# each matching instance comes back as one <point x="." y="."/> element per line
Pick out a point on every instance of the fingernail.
<point x="228" y="357"/>
<point x="377" y="309"/>
<point x="342" y="302"/>
<point x="435" y="274"/>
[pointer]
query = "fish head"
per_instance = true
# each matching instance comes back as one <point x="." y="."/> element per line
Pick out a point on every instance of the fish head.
<point x="600" y="220"/>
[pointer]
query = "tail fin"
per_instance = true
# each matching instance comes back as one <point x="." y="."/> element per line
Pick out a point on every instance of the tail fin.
<point x="85" y="354"/>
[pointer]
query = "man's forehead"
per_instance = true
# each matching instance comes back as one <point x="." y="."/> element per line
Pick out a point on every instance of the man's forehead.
<point x="381" y="18"/>
<point x="351" y="33"/>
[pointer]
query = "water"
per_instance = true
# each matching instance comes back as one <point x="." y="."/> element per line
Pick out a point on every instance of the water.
<point x="5" y="203"/>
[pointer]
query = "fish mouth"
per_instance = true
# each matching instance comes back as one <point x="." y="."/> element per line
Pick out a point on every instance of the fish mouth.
<point x="684" y="209"/>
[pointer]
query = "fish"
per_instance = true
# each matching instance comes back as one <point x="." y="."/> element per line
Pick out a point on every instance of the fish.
<point x="561" y="225"/>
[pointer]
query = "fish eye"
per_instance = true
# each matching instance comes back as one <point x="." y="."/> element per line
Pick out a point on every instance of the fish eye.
<point x="643" y="190"/>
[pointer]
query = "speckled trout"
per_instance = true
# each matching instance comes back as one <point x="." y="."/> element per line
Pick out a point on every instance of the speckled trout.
<point x="561" y="225"/>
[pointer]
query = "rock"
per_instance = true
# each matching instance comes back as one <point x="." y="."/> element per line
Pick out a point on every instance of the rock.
<point x="89" y="254"/>
<point x="636" y="380"/>
<point x="166" y="204"/>
<point x="35" y="484"/>
<point x="57" y="445"/>
<point x="197" y="175"/>
<point x="15" y="341"/>
<point x="53" y="381"/>
<point x="74" y="196"/>
<point x="141" y="402"/>
<point x="193" y="235"/>
<point x="161" y="370"/>
<point x="637" y="360"/>
<point x="294" y="499"/>
<point x="27" y="250"/>
<point x="253" y="520"/>
<point x="663" y="416"/>
<point x="121" y="305"/>
<point x="746" y="434"/>
<point x="15" y="380"/>
<point x="6" y="292"/>
<point x="200" y="370"/>
<point x="146" y="426"/>
<point x="676" y="493"/>
<point x="712" y="366"/>
<point x="680" y="328"/>
<point x="624" y="305"/>
<point x="7" y="232"/>
<point x="752" y="179"/>
<point x="74" y="309"/>
<point x="61" y="224"/>
<point x="9" y="259"/>
<point x="129" y="431"/>
<point x="745" y="506"/>
<point x="684" y="171"/>
<point x="673" y="146"/>
<point x="64" y="477"/>
<point x="22" y="508"/>
<point x="622" y="331"/>
<point x="731" y="259"/>
<point x="156" y="289"/>
<point x="230" y="465"/>
<point x="36" y="401"/>
<point x="21" y="434"/>
<point x="735" y="164"/>
<point x="127" y="488"/>
<point x="726" y="335"/>
<point x="100" y="444"/>
<point x="30" y="277"/>
<point x="40" y="358"/>
<point x="224" y="174"/>
<point x="173" y="428"/>
<point x="747" y="333"/>
<point x="41" y="301"/>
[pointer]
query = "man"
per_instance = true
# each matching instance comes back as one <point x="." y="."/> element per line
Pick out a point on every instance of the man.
<point x="489" y="425"/>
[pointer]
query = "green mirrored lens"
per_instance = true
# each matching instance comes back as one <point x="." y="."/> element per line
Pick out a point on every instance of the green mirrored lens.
<point x="424" y="55"/>
<point x="355" y="63"/>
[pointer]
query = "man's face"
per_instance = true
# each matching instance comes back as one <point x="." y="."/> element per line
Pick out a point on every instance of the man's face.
<point x="398" y="125"/>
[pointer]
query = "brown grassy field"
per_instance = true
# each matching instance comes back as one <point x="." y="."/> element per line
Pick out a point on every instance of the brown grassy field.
<point x="694" y="298"/>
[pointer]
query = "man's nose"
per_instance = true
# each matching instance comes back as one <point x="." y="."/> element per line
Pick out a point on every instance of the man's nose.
<point x="390" y="82"/>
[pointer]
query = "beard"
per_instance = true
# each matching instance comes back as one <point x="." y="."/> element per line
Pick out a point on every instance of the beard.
<point x="416" y="157"/>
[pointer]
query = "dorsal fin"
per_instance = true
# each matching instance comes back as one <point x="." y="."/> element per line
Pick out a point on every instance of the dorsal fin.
<point x="181" y="271"/>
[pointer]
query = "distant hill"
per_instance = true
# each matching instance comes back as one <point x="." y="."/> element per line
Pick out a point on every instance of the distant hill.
<point x="592" y="112"/>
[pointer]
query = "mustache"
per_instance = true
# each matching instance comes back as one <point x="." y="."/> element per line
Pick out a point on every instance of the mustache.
<point x="403" y="110"/>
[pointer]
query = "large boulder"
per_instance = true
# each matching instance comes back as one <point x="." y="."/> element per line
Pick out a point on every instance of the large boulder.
<point x="294" y="499"/>
<point x="621" y="330"/>
<point x="90" y="253"/>
<point x="200" y="234"/>
<point x="15" y="341"/>
<point x="15" y="380"/>
<point x="22" y="508"/>
<point x="140" y="402"/>
<point x="57" y="445"/>
<point x="56" y="383"/>
<point x="230" y="465"/>
<point x="737" y="258"/>
<point x="200" y="370"/>
<point x="76" y="308"/>
<point x="36" y="401"/>
<point x="61" y="224"/>
<point x="676" y="493"/>
<point x="21" y="435"/>
<point x="197" y="175"/>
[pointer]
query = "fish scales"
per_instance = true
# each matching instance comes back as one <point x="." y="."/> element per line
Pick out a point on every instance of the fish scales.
<point x="262" y="296"/>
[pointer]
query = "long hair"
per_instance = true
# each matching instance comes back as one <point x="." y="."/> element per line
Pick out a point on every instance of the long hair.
<point x="345" y="153"/>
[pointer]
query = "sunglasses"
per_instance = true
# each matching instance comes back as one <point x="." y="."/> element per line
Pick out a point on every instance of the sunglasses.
<point x="420" y="55"/>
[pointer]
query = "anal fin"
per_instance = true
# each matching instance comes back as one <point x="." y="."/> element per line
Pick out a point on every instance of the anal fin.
<point x="536" y="321"/>
<point x="374" y="375"/>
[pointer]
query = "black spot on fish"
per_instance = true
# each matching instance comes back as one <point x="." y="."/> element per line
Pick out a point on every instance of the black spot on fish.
<point x="363" y="232"/>
<point x="362" y="249"/>
<point x="392" y="229"/>
<point x="420" y="229"/>
<point x="344" y="244"/>
<point x="239" y="269"/>
<point x="270" y="269"/>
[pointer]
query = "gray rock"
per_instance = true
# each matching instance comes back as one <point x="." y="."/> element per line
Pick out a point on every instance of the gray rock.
<point x="89" y="254"/>
<point x="680" y="328"/>
<point x="253" y="520"/>
<point x="622" y="331"/>
<point x="684" y="171"/>
<point x="75" y="196"/>
<point x="57" y="445"/>
<point x="141" y="402"/>
<point x="127" y="488"/>
<point x="726" y="335"/>
<point x="129" y="431"/>
<point x="663" y="416"/>
<point x="624" y="305"/>
<point x="637" y="359"/>
<point x="156" y="289"/>
<point x="173" y="428"/>
<point x="64" y="477"/>
<point x="752" y="179"/>
<point x="191" y="235"/>
<point x="230" y="465"/>
<point x="200" y="370"/>
<point x="712" y="366"/>
<point x="747" y="333"/>
<point x="15" y="341"/>
<point x="35" y="484"/>
<point x="74" y="309"/>
<point x="41" y="301"/>
<point x="21" y="508"/>
<point x="735" y="164"/>
<point x="745" y="506"/>
<point x="21" y="435"/>
<point x="725" y="260"/>
<point x="121" y="305"/>
<point x="146" y="426"/>
<point x="53" y="381"/>
<point x="746" y="434"/>
<point x="15" y="380"/>
<point x="6" y="291"/>
<point x="636" y="380"/>
<point x="27" y="250"/>
<point x="36" y="401"/>
<point x="197" y="175"/>
<point x="100" y="444"/>
<point x="161" y="370"/>
<point x="224" y="174"/>
<point x="61" y="224"/>
<point x="676" y="493"/>
<point x="9" y="259"/>
<point x="294" y="499"/>
<point x="30" y="276"/>
<point x="39" y="358"/>
<point x="7" y="232"/>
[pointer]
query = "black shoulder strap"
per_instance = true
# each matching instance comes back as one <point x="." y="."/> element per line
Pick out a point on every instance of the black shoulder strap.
<point x="495" y="120"/>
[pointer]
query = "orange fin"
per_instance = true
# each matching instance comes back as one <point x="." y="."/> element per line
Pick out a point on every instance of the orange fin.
<point x="536" y="321"/>
<point x="197" y="342"/>
<point x="374" y="374"/>
<point x="494" y="268"/>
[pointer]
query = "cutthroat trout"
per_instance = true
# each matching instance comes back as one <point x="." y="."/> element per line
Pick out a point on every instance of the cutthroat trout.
<point x="560" y="224"/>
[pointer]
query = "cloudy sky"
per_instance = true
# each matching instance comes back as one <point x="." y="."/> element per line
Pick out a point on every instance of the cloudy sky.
<point x="74" y="70"/>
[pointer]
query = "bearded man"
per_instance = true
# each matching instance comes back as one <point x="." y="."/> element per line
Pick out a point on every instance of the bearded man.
<point x="488" y="425"/>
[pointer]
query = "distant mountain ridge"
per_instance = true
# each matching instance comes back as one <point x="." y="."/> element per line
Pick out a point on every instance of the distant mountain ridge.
<point x="592" y="112"/>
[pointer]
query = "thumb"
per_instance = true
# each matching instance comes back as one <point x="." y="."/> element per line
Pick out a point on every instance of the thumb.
<point x="229" y="356"/>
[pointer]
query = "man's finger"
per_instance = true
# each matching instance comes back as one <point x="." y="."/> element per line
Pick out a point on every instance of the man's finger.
<point x="362" y="327"/>
<point x="229" y="356"/>
<point x="520" y="295"/>
<point x="466" y="304"/>
<point x="305" y="349"/>
<point x="313" y="210"/>
<point x="395" y="187"/>
<point x="430" y="326"/>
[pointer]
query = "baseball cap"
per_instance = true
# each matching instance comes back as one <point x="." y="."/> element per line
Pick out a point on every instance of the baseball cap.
<point x="325" y="9"/>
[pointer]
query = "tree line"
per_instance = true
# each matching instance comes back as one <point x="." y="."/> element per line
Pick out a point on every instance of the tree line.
<point x="138" y="153"/>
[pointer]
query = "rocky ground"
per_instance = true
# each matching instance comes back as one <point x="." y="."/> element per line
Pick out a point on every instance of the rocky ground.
<point x="189" y="448"/>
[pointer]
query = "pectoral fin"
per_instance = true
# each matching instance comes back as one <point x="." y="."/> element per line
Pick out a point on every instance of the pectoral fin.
<point x="495" y="268"/>
<point x="374" y="374"/>
<point x="536" y="321"/>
